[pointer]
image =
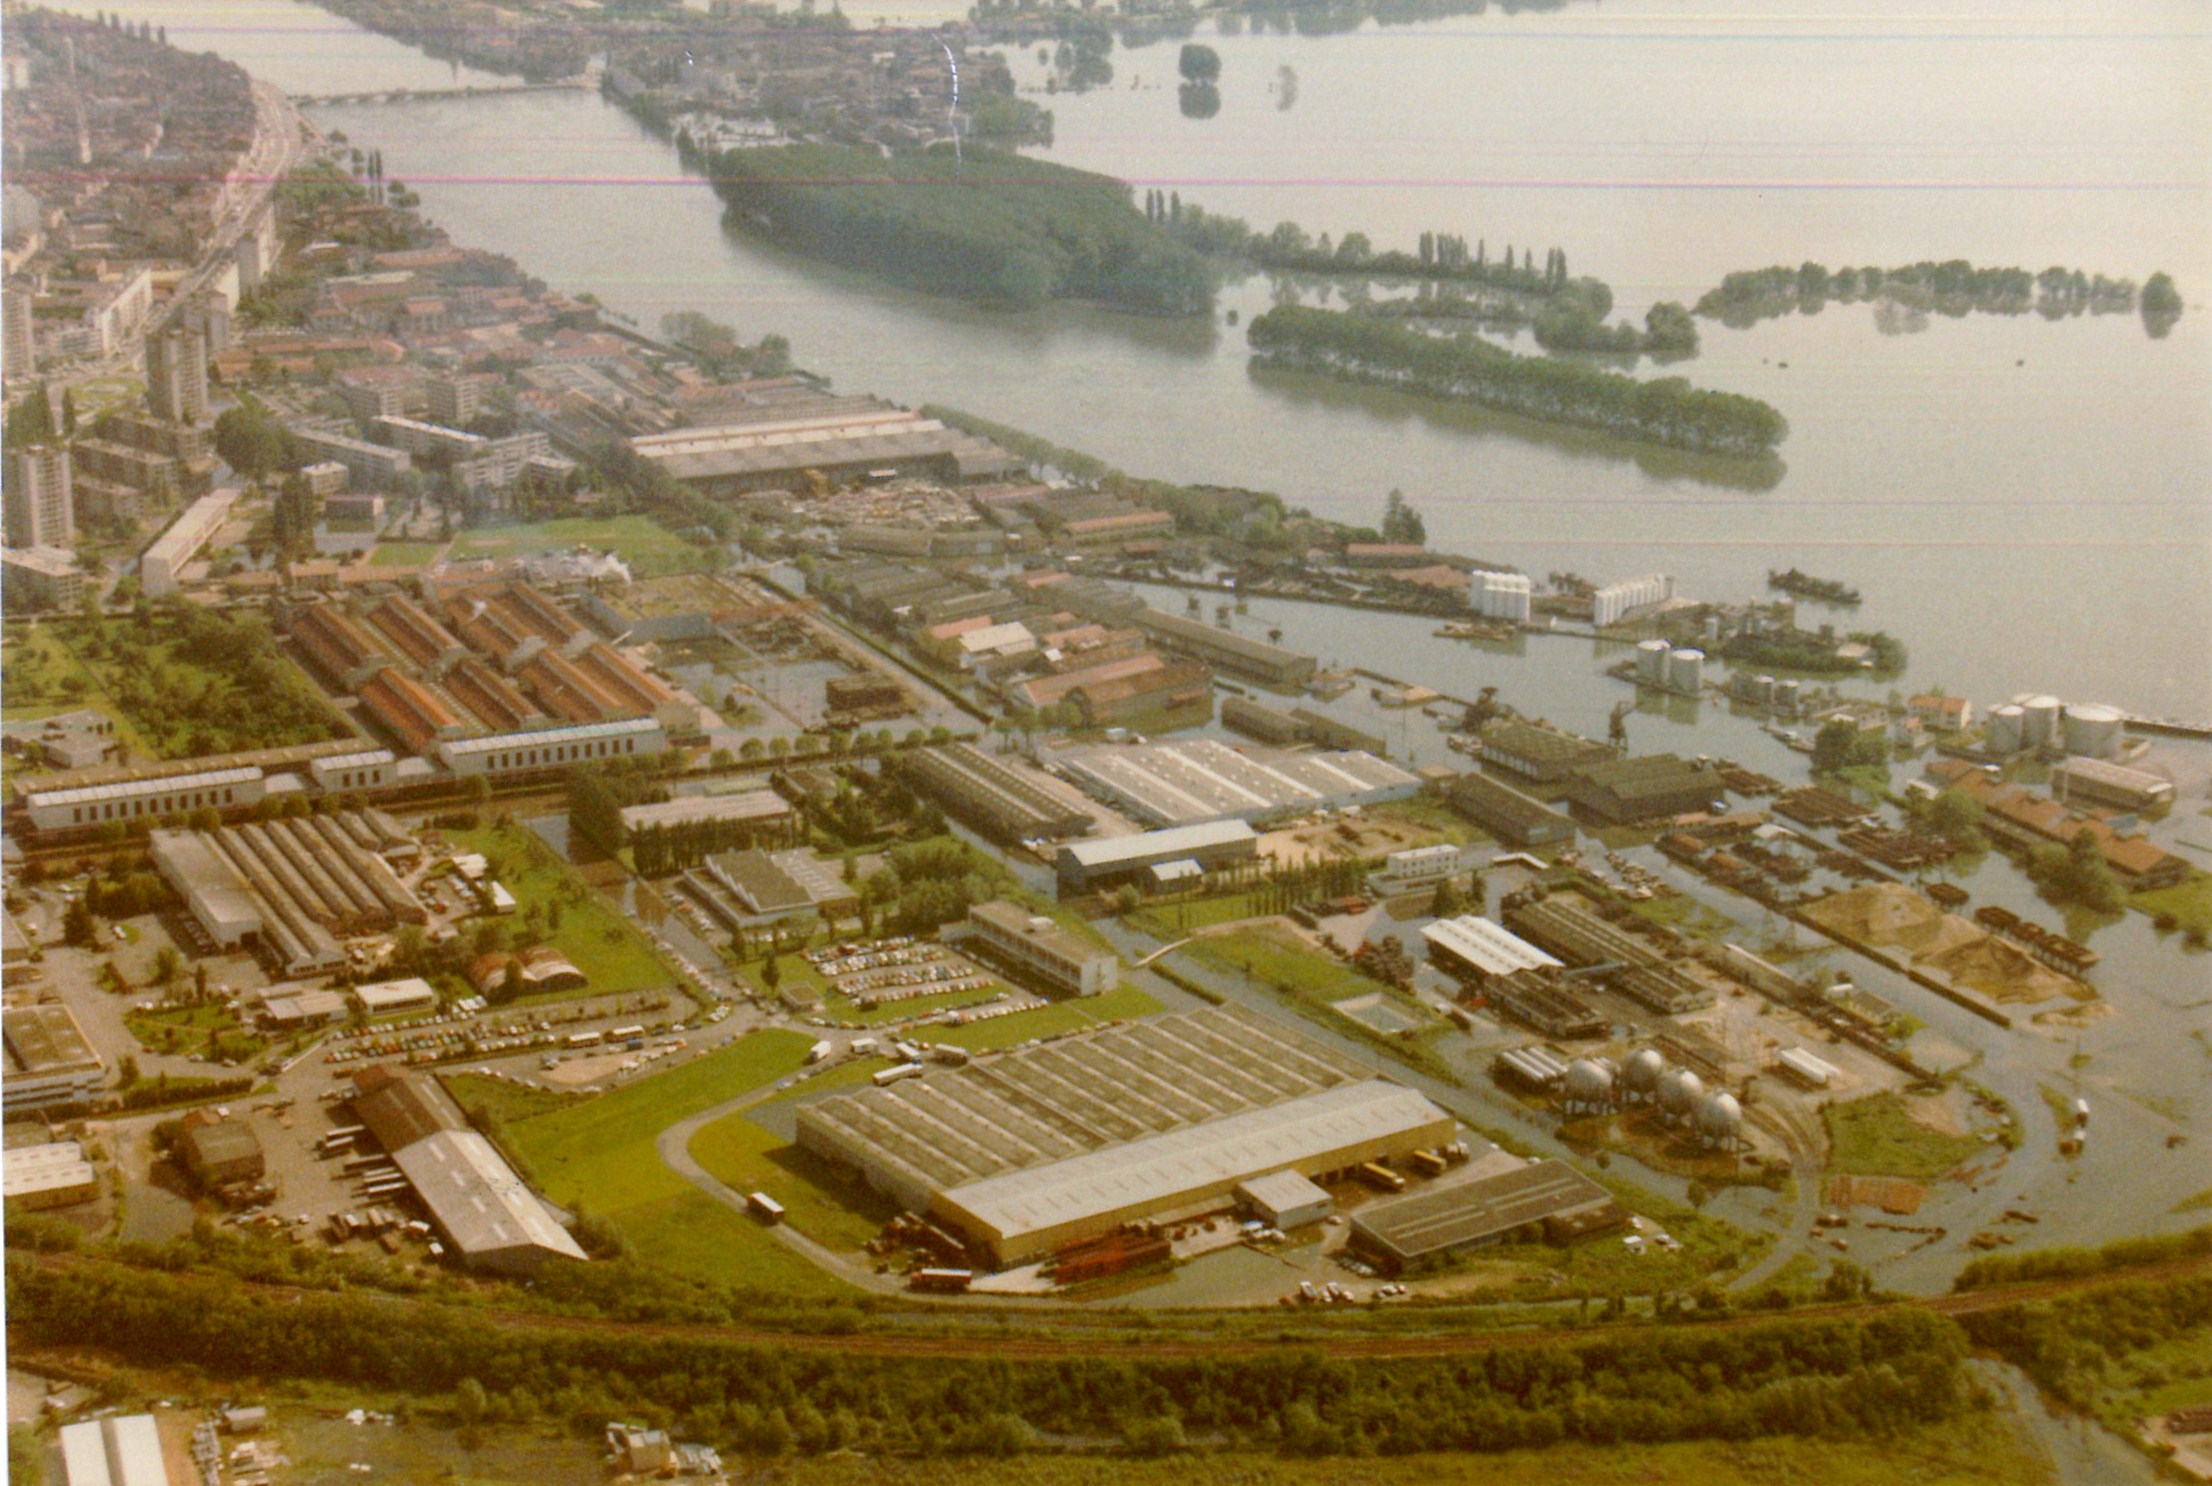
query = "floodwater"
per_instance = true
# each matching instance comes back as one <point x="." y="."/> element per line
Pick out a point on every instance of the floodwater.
<point x="2029" y="504"/>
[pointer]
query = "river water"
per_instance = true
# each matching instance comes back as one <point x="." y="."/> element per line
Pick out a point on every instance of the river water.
<point x="2028" y="504"/>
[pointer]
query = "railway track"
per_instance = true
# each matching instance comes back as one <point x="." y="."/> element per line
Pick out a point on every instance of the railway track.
<point x="1131" y="1346"/>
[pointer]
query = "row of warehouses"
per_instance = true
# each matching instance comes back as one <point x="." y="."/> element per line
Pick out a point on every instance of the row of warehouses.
<point x="498" y="659"/>
<point x="291" y="889"/>
<point x="1028" y="1152"/>
<point x="991" y="795"/>
<point x="1191" y="781"/>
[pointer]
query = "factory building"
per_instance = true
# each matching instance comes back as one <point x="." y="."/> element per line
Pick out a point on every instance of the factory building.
<point x="288" y="889"/>
<point x="841" y="437"/>
<point x="1186" y="782"/>
<point x="769" y="886"/>
<point x="1264" y="723"/>
<point x="372" y="768"/>
<point x="1506" y="596"/>
<point x="1417" y="870"/>
<point x="549" y="748"/>
<point x="1626" y="791"/>
<point x="1506" y="813"/>
<point x="1545" y="1199"/>
<point x="154" y="798"/>
<point x="220" y="1152"/>
<point x="1535" y="754"/>
<point x="489" y="1217"/>
<point x="1033" y="1150"/>
<point x="1617" y="601"/>
<point x="50" y="1061"/>
<point x="762" y="808"/>
<point x="120" y="1450"/>
<point x="1042" y="950"/>
<point x="1226" y="649"/>
<point x="1089" y="866"/>
<point x="38" y="1177"/>
<point x="1483" y="950"/>
<point x="2098" y="782"/>
<point x="990" y="795"/>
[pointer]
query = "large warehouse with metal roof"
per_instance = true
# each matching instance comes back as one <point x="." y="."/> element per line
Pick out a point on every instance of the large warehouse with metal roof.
<point x="1030" y="1151"/>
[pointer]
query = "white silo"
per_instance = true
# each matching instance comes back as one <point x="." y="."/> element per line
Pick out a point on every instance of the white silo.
<point x="1651" y="662"/>
<point x="1640" y="1075"/>
<point x="1785" y="693"/>
<point x="2006" y="729"/>
<point x="2039" y="721"/>
<point x="2093" y="730"/>
<point x="1720" y="1121"/>
<point x="1685" y="669"/>
<point x="1762" y="690"/>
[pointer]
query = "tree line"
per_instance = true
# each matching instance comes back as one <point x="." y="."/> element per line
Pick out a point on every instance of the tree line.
<point x="1813" y="1377"/>
<point x="995" y="227"/>
<point x="1954" y="287"/>
<point x="1668" y="411"/>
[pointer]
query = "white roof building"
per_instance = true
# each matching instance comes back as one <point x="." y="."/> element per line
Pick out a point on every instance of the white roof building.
<point x="1485" y="946"/>
<point x="122" y="1451"/>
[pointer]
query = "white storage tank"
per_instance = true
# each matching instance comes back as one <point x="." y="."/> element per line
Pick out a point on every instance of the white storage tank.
<point x="1651" y="661"/>
<point x="1589" y="1085"/>
<point x="2093" y="730"/>
<point x="1785" y="693"/>
<point x="1679" y="1092"/>
<point x="2039" y="721"/>
<point x="1641" y="1073"/>
<point x="1685" y="670"/>
<point x="1720" y="1120"/>
<point x="1762" y="690"/>
<point x="2006" y="729"/>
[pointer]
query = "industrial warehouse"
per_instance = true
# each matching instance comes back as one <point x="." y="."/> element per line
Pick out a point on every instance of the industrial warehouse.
<point x="1547" y="1199"/>
<point x="992" y="796"/>
<point x="1188" y="782"/>
<point x="492" y="1220"/>
<point x="1086" y="866"/>
<point x="1031" y="1151"/>
<point x="500" y="658"/>
<point x="290" y="889"/>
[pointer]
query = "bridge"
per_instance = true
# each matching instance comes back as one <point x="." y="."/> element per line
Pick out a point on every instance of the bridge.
<point x="436" y="95"/>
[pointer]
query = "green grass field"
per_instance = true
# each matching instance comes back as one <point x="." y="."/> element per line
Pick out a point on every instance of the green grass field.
<point x="503" y="1099"/>
<point x="817" y="1201"/>
<point x="2189" y="902"/>
<point x="1875" y="1136"/>
<point x="610" y="951"/>
<point x="600" y="1152"/>
<point x="1272" y="954"/>
<point x="44" y="678"/>
<point x="1168" y="922"/>
<point x="212" y="1031"/>
<point x="405" y="554"/>
<point x="1121" y="1003"/>
<point x="646" y="546"/>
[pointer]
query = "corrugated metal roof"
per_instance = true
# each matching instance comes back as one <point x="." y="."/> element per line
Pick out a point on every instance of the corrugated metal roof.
<point x="1192" y="1159"/>
<point x="1172" y="842"/>
<point x="1489" y="947"/>
<point x="476" y="1198"/>
<point x="551" y="737"/>
<point x="133" y="788"/>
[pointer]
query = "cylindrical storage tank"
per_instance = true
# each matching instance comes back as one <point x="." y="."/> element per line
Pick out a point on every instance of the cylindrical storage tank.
<point x="1711" y="627"/>
<point x="1785" y="692"/>
<point x="2093" y="730"/>
<point x="1685" y="669"/>
<point x="1720" y="1119"/>
<point x="1651" y="661"/>
<point x="2006" y="729"/>
<point x="2038" y="721"/>
<point x="1641" y="1073"/>
<point x="1762" y="689"/>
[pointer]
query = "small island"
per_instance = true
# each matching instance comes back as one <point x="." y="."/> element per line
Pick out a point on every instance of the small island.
<point x="1666" y="411"/>
<point x="986" y="225"/>
<point x="1955" y="288"/>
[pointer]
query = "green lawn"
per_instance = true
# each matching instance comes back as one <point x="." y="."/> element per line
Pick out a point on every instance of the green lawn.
<point x="1122" y="1003"/>
<point x="600" y="1152"/>
<point x="1875" y="1136"/>
<point x="211" y="1031"/>
<point x="1273" y="955"/>
<point x="2189" y="902"/>
<point x="825" y="1205"/>
<point x="1171" y="921"/>
<point x="405" y="554"/>
<point x="648" y="547"/>
<point x="610" y="951"/>
<point x="503" y="1099"/>
<point x="45" y="677"/>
